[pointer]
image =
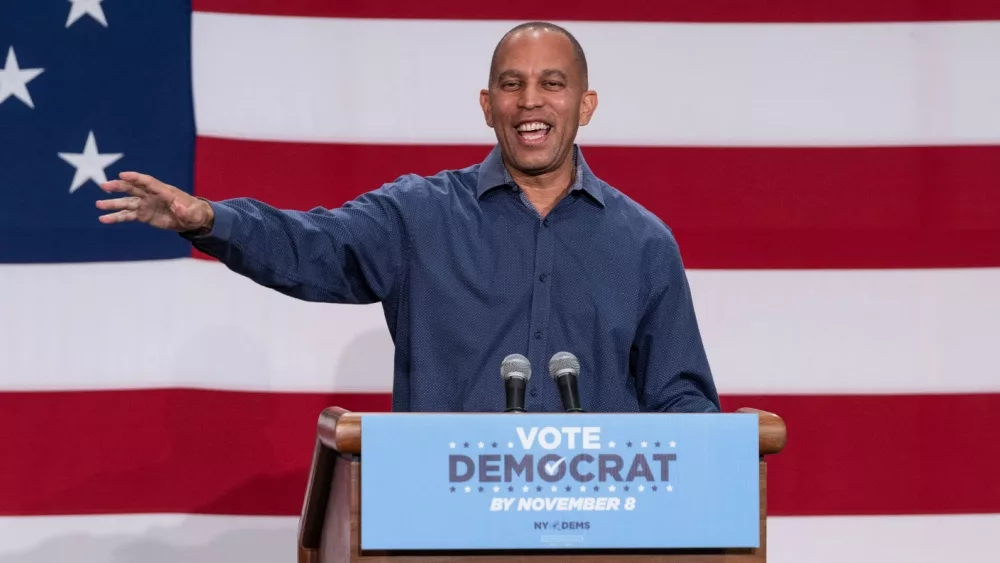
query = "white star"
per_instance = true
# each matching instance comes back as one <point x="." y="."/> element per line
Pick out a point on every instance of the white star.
<point x="90" y="164"/>
<point x="496" y="489"/>
<point x="642" y="488"/>
<point x="670" y="488"/>
<point x="14" y="81"/>
<point x="643" y="444"/>
<point x="673" y="444"/>
<point x="611" y="488"/>
<point x="452" y="445"/>
<point x="510" y="444"/>
<point x="582" y="488"/>
<point x="611" y="444"/>
<point x="82" y="8"/>
<point x="524" y="488"/>
<point x="554" y="488"/>
<point x="481" y="445"/>
<point x="468" y="489"/>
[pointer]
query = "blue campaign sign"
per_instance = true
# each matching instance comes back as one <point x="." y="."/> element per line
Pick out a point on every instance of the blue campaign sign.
<point x="503" y="481"/>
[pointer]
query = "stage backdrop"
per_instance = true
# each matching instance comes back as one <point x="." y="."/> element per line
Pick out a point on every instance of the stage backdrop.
<point x="830" y="169"/>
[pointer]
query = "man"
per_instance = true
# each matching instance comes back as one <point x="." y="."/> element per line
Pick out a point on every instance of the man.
<point x="526" y="252"/>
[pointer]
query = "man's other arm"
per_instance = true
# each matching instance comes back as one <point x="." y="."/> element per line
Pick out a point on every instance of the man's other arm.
<point x="350" y="254"/>
<point x="668" y="355"/>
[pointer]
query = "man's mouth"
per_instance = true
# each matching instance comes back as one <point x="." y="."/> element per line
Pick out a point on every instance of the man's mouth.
<point x="533" y="131"/>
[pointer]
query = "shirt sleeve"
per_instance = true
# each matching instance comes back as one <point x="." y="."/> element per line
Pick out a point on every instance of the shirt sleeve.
<point x="351" y="254"/>
<point x="671" y="366"/>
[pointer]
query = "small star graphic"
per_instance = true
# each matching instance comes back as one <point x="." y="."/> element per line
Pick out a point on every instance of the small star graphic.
<point x="657" y="443"/>
<point x="480" y="489"/>
<point x="465" y="445"/>
<point x="524" y="488"/>
<point x="568" y="488"/>
<point x="510" y="444"/>
<point x="670" y="488"/>
<point x="554" y="488"/>
<point x="643" y="444"/>
<point x="596" y="488"/>
<point x="583" y="488"/>
<point x="510" y="489"/>
<point x="673" y="444"/>
<point x="14" y="81"/>
<point x="625" y="488"/>
<point x="494" y="444"/>
<point x="468" y="489"/>
<point x="481" y="445"/>
<point x="538" y="489"/>
<point x="642" y="488"/>
<point x="452" y="445"/>
<point x="89" y="164"/>
<point x="453" y="489"/>
<point x="90" y="8"/>
<point x="611" y="444"/>
<point x="496" y="489"/>
<point x="628" y="444"/>
<point x="611" y="488"/>
<point x="654" y="488"/>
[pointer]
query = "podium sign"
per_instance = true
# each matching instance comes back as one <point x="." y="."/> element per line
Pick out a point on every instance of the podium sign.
<point x="530" y="481"/>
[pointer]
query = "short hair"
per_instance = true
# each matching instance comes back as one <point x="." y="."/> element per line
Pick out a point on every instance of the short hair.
<point x="581" y="58"/>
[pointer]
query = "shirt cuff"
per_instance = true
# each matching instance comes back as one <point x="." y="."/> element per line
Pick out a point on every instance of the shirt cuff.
<point x="222" y="224"/>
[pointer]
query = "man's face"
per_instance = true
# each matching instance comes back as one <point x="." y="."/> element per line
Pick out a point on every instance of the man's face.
<point x="537" y="100"/>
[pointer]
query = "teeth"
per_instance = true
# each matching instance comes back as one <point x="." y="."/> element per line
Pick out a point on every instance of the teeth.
<point x="532" y="126"/>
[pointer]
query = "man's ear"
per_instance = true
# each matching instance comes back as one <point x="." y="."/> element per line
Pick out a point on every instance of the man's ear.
<point x="484" y="102"/>
<point x="588" y="106"/>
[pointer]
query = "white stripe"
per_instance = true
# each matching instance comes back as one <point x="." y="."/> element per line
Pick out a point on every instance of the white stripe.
<point x="836" y="331"/>
<point x="418" y="81"/>
<point x="194" y="323"/>
<point x="209" y="539"/>
<point x="151" y="538"/>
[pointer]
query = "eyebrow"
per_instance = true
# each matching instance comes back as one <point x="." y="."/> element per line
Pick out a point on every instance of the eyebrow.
<point x="547" y="72"/>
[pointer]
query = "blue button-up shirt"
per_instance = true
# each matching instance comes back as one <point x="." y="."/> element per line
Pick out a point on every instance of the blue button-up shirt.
<point x="467" y="272"/>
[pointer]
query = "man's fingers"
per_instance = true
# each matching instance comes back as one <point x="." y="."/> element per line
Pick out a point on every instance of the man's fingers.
<point x="147" y="182"/>
<point x="127" y="203"/>
<point x="124" y="187"/>
<point x="119" y="217"/>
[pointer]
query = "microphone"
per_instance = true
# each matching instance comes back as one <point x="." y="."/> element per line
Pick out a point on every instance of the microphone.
<point x="564" y="369"/>
<point x="516" y="371"/>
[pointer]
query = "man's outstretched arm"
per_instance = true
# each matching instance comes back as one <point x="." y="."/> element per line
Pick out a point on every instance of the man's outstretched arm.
<point x="351" y="254"/>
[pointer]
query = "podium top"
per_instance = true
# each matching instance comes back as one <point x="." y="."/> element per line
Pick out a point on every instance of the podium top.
<point x="340" y="429"/>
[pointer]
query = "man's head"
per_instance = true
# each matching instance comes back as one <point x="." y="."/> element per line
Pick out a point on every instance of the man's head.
<point x="538" y="96"/>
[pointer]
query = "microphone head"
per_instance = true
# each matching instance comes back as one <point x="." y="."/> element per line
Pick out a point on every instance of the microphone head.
<point x="515" y="365"/>
<point x="563" y="363"/>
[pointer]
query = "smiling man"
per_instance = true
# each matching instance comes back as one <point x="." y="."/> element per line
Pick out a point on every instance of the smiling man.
<point x="527" y="252"/>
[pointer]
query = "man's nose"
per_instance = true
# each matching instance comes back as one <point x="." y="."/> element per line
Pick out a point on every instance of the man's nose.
<point x="531" y="97"/>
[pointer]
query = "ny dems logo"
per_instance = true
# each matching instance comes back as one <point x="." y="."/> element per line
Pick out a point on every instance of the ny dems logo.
<point x="566" y="468"/>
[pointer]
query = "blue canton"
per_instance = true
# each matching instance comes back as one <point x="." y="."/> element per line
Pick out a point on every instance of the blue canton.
<point x="467" y="272"/>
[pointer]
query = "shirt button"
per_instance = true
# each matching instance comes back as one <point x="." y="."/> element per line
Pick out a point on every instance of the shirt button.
<point x="545" y="222"/>
<point x="534" y="393"/>
<point x="541" y="278"/>
<point x="538" y="335"/>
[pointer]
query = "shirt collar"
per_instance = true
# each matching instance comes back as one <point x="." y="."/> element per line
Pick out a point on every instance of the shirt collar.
<point x="493" y="174"/>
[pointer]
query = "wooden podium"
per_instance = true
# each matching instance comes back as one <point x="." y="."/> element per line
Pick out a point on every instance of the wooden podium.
<point x="329" y="528"/>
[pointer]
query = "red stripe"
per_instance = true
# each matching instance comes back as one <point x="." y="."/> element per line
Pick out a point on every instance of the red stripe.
<point x="216" y="452"/>
<point x="893" y="454"/>
<point x="886" y="207"/>
<point x="622" y="10"/>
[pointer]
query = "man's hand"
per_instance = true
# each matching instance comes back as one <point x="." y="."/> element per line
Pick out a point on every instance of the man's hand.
<point x="151" y="201"/>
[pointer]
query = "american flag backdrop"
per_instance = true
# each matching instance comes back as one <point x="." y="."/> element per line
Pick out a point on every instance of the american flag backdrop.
<point x="831" y="171"/>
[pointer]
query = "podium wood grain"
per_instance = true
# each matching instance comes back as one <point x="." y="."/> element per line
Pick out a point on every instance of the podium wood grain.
<point x="329" y="530"/>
